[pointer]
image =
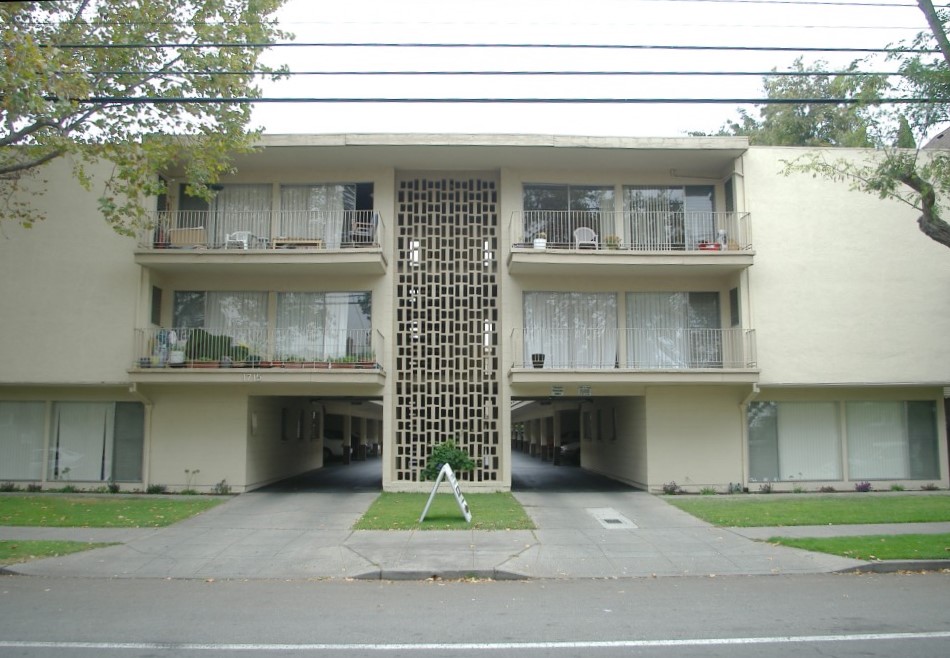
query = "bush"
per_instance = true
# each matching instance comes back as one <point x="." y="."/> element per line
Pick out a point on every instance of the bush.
<point x="765" y="488"/>
<point x="708" y="491"/>
<point x="222" y="488"/>
<point x="929" y="487"/>
<point x="671" y="489"/>
<point x="447" y="453"/>
<point x="8" y="486"/>
<point x="897" y="487"/>
<point x="827" y="489"/>
<point x="862" y="486"/>
<point x="156" y="489"/>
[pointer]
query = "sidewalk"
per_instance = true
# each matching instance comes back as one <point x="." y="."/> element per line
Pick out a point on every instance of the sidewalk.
<point x="586" y="531"/>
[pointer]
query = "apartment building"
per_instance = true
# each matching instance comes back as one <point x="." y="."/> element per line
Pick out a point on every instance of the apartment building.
<point x="676" y="309"/>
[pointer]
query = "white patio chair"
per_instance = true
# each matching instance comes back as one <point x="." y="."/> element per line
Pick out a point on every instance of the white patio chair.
<point x="238" y="240"/>
<point x="585" y="236"/>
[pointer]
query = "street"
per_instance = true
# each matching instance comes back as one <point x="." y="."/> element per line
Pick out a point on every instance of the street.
<point x="837" y="615"/>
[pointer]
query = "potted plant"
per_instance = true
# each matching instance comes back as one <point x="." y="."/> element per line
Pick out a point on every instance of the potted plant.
<point x="537" y="360"/>
<point x="540" y="240"/>
<point x="612" y="241"/>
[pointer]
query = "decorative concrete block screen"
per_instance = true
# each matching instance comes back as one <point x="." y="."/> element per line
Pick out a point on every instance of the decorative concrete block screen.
<point x="447" y="363"/>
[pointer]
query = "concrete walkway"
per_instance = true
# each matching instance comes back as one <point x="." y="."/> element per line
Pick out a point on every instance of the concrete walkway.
<point x="300" y="531"/>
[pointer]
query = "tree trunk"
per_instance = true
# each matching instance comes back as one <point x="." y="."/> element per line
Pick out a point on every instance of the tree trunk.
<point x="930" y="224"/>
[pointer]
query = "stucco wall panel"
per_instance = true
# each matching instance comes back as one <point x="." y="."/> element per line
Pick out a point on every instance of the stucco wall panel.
<point x="845" y="288"/>
<point x="694" y="436"/>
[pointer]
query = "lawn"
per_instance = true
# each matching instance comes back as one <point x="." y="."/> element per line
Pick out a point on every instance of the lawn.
<point x="52" y="510"/>
<point x="13" y="551"/>
<point x="809" y="509"/>
<point x="401" y="511"/>
<point x="876" y="547"/>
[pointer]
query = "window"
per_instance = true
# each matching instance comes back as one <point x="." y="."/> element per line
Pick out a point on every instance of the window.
<point x="324" y="212"/>
<point x="557" y="210"/>
<point x="240" y="315"/>
<point x="316" y="326"/>
<point x="22" y="433"/>
<point x="674" y="330"/>
<point x="572" y="329"/>
<point x="241" y="208"/>
<point x="801" y="440"/>
<point x="156" y="315"/>
<point x="669" y="218"/>
<point x="96" y="441"/>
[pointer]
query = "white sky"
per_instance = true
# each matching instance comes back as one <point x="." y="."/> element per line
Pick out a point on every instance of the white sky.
<point x="873" y="24"/>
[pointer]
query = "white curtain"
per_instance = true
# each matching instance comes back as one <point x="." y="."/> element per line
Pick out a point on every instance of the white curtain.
<point x="877" y="441"/>
<point x="242" y="208"/>
<point x="242" y="315"/>
<point x="315" y="325"/>
<point x="82" y="441"/>
<point x="301" y="317"/>
<point x="673" y="330"/>
<point x="572" y="329"/>
<point x="21" y="440"/>
<point x="314" y="212"/>
<point x="809" y="445"/>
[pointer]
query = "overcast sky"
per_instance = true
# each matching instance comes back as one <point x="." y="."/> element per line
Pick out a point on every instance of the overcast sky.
<point x="774" y="23"/>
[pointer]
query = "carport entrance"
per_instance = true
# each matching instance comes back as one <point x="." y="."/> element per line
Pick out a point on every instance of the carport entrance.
<point x="558" y="443"/>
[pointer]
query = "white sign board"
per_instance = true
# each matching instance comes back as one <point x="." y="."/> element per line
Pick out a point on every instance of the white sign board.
<point x="450" y="474"/>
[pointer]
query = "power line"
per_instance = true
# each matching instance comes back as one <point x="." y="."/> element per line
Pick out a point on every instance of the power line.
<point x="540" y="46"/>
<point x="510" y="73"/>
<point x="203" y="100"/>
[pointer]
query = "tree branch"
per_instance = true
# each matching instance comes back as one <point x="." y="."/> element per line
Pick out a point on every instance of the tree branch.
<point x="6" y="170"/>
<point x="930" y="224"/>
<point x="13" y="138"/>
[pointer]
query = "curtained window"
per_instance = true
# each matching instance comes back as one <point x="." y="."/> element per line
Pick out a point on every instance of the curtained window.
<point x="316" y="212"/>
<point x="673" y="330"/>
<point x="242" y="208"/>
<point x="664" y="218"/>
<point x="885" y="440"/>
<point x="316" y="326"/>
<point x="241" y="315"/>
<point x="559" y="209"/>
<point x="96" y="441"/>
<point x="572" y="329"/>
<point x="22" y="433"/>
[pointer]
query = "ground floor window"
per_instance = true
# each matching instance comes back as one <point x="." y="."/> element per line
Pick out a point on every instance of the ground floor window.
<point x="875" y="440"/>
<point x="84" y="442"/>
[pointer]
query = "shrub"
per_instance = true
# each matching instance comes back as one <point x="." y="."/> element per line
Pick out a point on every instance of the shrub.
<point x="33" y="487"/>
<point x="222" y="488"/>
<point x="765" y="487"/>
<point x="897" y="487"/>
<point x="827" y="489"/>
<point x="671" y="489"/>
<point x="447" y="453"/>
<point x="8" y="486"/>
<point x="862" y="486"/>
<point x="113" y="487"/>
<point x="930" y="486"/>
<point x="708" y="491"/>
<point x="798" y="489"/>
<point x="156" y="489"/>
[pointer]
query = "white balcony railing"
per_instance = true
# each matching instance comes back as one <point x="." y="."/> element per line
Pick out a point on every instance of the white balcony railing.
<point x="210" y="229"/>
<point x="634" y="348"/>
<point x="633" y="230"/>
<point x="257" y="347"/>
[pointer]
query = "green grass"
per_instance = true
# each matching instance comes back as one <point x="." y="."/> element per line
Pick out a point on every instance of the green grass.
<point x="14" y="551"/>
<point x="833" y="509"/>
<point x="61" y="511"/>
<point x="876" y="547"/>
<point x="401" y="511"/>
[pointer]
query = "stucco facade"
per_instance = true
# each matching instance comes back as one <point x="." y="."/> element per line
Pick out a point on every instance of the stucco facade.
<point x="740" y="315"/>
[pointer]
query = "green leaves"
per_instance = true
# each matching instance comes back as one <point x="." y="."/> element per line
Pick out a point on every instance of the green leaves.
<point x="56" y="56"/>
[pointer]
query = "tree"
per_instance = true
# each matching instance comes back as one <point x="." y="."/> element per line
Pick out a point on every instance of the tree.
<point x="128" y="83"/>
<point x="919" y="178"/>
<point x="814" y="123"/>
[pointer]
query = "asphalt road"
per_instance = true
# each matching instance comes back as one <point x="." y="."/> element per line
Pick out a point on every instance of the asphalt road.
<point x="833" y="615"/>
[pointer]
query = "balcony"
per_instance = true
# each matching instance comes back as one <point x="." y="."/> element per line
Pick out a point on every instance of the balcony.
<point x="609" y="242"/>
<point x="634" y="355"/>
<point x="344" y="242"/>
<point x="246" y="355"/>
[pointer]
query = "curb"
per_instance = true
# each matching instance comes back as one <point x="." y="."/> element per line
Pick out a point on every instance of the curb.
<point x="468" y="574"/>
<point x="893" y="566"/>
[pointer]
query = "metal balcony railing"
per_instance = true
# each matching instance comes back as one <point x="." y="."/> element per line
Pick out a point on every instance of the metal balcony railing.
<point x="257" y="347"/>
<point x="285" y="229"/>
<point x="631" y="230"/>
<point x="634" y="348"/>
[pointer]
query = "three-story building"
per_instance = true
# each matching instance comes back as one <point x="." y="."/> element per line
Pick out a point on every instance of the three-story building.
<point x="670" y="309"/>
